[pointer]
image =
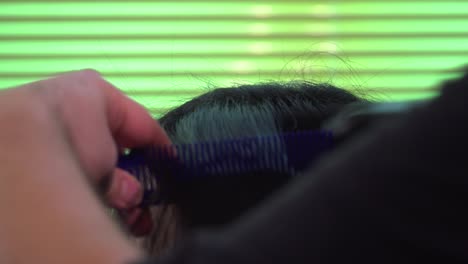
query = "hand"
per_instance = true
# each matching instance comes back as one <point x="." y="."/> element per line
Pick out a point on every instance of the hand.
<point x="97" y="120"/>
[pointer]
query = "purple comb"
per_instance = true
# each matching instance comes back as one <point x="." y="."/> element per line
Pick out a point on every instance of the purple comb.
<point x="158" y="171"/>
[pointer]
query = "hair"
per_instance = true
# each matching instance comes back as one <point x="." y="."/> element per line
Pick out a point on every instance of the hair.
<point x="246" y="110"/>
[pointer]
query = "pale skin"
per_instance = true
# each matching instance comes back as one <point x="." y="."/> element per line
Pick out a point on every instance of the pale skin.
<point x="59" y="139"/>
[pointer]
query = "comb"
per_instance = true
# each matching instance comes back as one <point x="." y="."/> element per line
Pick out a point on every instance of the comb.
<point x="160" y="169"/>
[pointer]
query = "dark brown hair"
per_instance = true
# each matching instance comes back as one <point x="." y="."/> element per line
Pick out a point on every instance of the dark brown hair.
<point x="247" y="110"/>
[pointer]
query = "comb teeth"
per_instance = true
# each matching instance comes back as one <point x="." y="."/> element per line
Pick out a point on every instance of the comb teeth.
<point x="136" y="163"/>
<point x="159" y="171"/>
<point x="232" y="156"/>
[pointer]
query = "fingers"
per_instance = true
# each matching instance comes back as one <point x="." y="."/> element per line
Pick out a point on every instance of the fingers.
<point x="137" y="220"/>
<point x="125" y="191"/>
<point x="124" y="194"/>
<point x="131" y="126"/>
<point x="130" y="123"/>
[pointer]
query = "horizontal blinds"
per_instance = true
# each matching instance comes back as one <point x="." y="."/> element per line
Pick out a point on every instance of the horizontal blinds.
<point x="163" y="53"/>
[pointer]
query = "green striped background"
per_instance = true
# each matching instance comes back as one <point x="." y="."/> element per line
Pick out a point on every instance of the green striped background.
<point x="162" y="53"/>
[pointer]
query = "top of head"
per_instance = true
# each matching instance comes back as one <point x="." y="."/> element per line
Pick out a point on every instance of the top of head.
<point x="246" y="111"/>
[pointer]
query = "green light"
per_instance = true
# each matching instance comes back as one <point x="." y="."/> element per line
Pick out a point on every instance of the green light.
<point x="163" y="53"/>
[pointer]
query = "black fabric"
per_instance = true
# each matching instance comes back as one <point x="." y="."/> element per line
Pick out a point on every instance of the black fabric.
<point x="395" y="194"/>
